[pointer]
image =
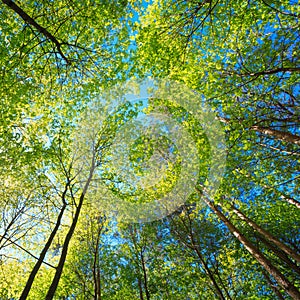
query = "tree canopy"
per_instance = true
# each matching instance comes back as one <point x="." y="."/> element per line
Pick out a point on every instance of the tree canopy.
<point x="70" y="174"/>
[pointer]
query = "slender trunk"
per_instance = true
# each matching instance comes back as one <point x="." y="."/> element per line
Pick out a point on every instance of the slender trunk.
<point x="39" y="262"/>
<point x="223" y="285"/>
<point x="273" y="286"/>
<point x="281" y="279"/>
<point x="63" y="255"/>
<point x="206" y="268"/>
<point x="96" y="271"/>
<point x="64" y="252"/>
<point x="210" y="275"/>
<point x="193" y="246"/>
<point x="266" y="234"/>
<point x="99" y="283"/>
<point x="145" y="277"/>
<point x="280" y="254"/>
<point x="95" y="280"/>
<point x="283" y="196"/>
<point x="140" y="288"/>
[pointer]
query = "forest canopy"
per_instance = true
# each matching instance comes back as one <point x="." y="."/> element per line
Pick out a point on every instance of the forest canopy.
<point x="226" y="127"/>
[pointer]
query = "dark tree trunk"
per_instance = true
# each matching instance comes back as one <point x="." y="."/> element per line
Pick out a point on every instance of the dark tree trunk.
<point x="38" y="264"/>
<point x="140" y="288"/>
<point x="60" y="266"/>
<point x="273" y="286"/>
<point x="145" y="277"/>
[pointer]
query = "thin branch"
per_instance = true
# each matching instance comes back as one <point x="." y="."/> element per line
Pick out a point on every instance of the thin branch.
<point x="32" y="255"/>
<point x="279" y="11"/>
<point x="265" y="72"/>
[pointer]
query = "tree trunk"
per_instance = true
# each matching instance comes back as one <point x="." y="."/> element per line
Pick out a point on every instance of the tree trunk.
<point x="63" y="255"/>
<point x="98" y="283"/>
<point x="96" y="269"/>
<point x="278" y="135"/>
<point x="210" y="275"/>
<point x="273" y="286"/>
<point x="206" y="268"/>
<point x="282" y="255"/>
<point x="223" y="285"/>
<point x="281" y="279"/>
<point x="290" y="200"/>
<point x="283" y="196"/>
<point x="60" y="266"/>
<point x="38" y="264"/>
<point x="140" y="288"/>
<point x="145" y="277"/>
<point x="266" y="234"/>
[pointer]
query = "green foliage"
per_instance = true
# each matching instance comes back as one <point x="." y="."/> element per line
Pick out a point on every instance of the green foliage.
<point x="242" y="57"/>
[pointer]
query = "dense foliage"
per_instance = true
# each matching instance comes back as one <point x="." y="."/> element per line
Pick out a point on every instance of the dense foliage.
<point x="57" y="241"/>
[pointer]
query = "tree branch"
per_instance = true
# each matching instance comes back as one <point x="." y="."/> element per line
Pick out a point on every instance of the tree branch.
<point x="38" y="27"/>
<point x="28" y="252"/>
<point x="265" y="72"/>
<point x="279" y="135"/>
